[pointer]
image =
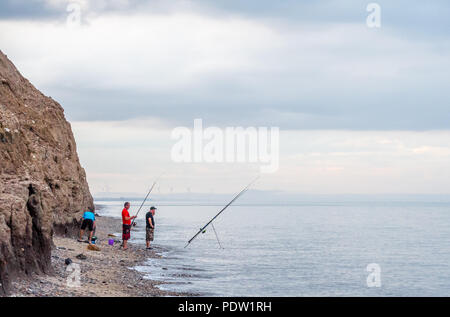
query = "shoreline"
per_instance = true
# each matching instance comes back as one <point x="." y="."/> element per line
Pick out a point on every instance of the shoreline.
<point x="106" y="273"/>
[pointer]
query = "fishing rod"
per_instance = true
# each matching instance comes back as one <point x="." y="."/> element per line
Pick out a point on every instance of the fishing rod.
<point x="217" y="236"/>
<point x="202" y="230"/>
<point x="145" y="199"/>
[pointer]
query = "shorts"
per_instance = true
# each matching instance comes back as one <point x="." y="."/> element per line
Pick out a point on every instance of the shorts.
<point x="150" y="233"/>
<point x="126" y="232"/>
<point x="87" y="223"/>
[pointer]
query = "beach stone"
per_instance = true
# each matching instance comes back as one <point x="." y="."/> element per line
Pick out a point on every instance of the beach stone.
<point x="68" y="261"/>
<point x="81" y="256"/>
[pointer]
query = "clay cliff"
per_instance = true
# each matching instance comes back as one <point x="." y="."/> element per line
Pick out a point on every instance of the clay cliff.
<point x="43" y="188"/>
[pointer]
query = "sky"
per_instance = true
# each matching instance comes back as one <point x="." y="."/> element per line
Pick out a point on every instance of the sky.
<point x="361" y="110"/>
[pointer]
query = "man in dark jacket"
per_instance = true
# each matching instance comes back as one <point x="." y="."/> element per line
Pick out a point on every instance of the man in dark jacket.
<point x="150" y="226"/>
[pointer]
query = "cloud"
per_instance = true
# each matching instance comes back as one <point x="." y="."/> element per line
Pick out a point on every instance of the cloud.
<point x="56" y="9"/>
<point x="311" y="161"/>
<point x="236" y="63"/>
<point x="133" y="70"/>
<point x="410" y="18"/>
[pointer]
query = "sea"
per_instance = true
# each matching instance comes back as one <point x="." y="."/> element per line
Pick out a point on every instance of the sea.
<point x="356" y="248"/>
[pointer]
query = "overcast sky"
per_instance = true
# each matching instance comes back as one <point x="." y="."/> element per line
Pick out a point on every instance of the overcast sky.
<point x="362" y="110"/>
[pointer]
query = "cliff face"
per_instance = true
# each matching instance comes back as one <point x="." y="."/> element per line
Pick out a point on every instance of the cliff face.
<point x="43" y="188"/>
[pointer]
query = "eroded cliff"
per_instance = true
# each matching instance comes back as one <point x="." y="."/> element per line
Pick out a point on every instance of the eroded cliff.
<point x="43" y="188"/>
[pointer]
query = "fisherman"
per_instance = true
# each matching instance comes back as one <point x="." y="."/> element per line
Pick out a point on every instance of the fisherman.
<point x="126" y="224"/>
<point x="150" y="226"/>
<point x="88" y="220"/>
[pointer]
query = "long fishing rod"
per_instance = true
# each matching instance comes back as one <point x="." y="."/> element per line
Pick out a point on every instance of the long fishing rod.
<point x="202" y="230"/>
<point x="145" y="199"/>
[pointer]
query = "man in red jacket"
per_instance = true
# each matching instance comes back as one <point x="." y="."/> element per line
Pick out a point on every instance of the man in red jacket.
<point x="126" y="224"/>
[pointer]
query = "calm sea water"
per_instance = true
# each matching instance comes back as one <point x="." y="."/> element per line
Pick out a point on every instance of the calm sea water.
<point x="311" y="249"/>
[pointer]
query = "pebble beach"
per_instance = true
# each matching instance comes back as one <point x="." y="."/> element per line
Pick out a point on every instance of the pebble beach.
<point x="105" y="273"/>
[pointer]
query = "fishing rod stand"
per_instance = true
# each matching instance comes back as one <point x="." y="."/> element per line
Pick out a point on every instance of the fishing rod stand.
<point x="217" y="237"/>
